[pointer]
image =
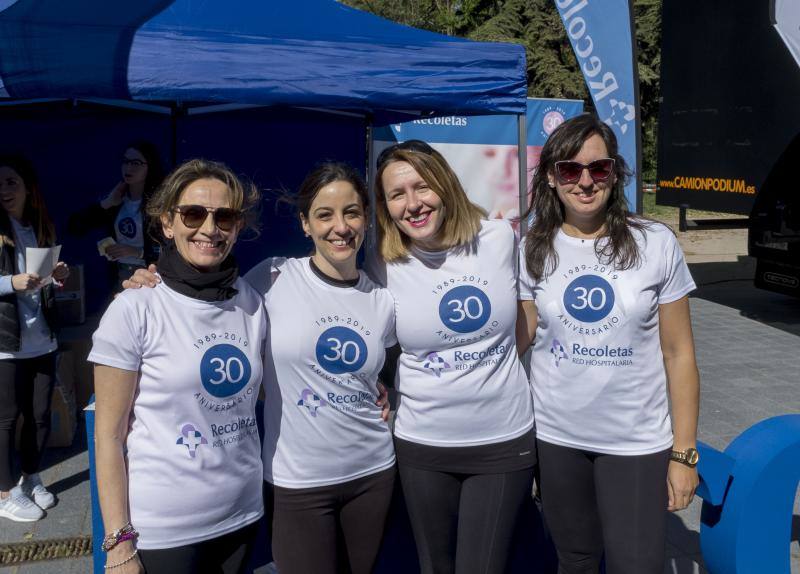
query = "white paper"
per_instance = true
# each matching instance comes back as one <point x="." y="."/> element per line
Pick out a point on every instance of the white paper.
<point x="42" y="260"/>
<point x="104" y="244"/>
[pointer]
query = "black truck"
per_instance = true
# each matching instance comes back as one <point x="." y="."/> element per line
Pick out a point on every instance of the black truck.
<point x="729" y="123"/>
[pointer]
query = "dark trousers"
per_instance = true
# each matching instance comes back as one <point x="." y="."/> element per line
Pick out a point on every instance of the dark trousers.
<point x="330" y="529"/>
<point x="227" y="554"/>
<point x="601" y="504"/>
<point x="464" y="523"/>
<point x="26" y="387"/>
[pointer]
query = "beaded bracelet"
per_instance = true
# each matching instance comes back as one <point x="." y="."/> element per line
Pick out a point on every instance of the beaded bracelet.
<point x="128" y="559"/>
<point x="127" y="532"/>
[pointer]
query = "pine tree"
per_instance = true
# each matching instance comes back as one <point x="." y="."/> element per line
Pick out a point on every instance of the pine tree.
<point x="552" y="69"/>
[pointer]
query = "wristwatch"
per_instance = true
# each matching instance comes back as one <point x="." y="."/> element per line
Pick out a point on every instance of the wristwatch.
<point x="690" y="457"/>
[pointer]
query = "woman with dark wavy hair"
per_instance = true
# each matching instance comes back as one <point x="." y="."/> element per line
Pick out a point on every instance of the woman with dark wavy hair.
<point x="604" y="292"/>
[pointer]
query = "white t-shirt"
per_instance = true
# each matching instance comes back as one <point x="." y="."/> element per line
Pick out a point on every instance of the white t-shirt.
<point x="597" y="370"/>
<point x="325" y="348"/>
<point x="194" y="458"/>
<point x="459" y="380"/>
<point x="128" y="228"/>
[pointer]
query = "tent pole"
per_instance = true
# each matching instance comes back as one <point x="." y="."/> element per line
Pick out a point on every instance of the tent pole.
<point x="173" y="122"/>
<point x="522" y="153"/>
<point x="372" y="236"/>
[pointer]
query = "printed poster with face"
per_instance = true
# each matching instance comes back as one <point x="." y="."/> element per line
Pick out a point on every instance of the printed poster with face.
<point x="482" y="150"/>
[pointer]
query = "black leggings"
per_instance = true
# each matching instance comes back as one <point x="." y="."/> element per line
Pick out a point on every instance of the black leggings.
<point x="26" y="386"/>
<point x="601" y="503"/>
<point x="226" y="554"/>
<point x="464" y="523"/>
<point x="322" y="530"/>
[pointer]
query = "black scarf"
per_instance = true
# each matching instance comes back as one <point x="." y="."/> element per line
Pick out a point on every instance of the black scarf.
<point x="204" y="285"/>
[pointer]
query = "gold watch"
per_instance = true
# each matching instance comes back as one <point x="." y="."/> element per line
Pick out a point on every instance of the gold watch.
<point x="690" y="457"/>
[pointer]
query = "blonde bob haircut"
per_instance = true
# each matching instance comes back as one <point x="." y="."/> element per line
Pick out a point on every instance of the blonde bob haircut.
<point x="244" y="195"/>
<point x="461" y="218"/>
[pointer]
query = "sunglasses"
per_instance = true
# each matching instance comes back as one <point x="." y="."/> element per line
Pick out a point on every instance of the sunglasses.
<point x="194" y="216"/>
<point x="571" y="171"/>
<point x="410" y="145"/>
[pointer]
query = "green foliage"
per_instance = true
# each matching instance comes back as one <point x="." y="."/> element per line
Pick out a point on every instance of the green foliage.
<point x="552" y="68"/>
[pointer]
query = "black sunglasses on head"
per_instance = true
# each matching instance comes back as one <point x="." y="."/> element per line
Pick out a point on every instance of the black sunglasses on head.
<point x="194" y="216"/>
<point x="410" y="145"/>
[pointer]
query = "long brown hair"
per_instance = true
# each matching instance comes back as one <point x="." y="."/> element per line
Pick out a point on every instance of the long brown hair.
<point x="462" y="218"/>
<point x="565" y="143"/>
<point x="35" y="211"/>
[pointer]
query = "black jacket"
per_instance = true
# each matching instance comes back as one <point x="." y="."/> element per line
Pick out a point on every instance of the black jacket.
<point x="9" y="317"/>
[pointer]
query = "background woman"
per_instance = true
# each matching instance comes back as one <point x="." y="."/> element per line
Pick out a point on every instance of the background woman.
<point x="27" y="341"/>
<point x="122" y="212"/>
<point x="605" y="294"/>
<point x="328" y="456"/>
<point x="191" y="494"/>
<point x="464" y="426"/>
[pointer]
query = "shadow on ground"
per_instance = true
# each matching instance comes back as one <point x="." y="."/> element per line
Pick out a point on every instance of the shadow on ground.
<point x="730" y="283"/>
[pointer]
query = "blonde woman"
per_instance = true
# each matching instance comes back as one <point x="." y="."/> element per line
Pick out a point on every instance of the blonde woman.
<point x="464" y="435"/>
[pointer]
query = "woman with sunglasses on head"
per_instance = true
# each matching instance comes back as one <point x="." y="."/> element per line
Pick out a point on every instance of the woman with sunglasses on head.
<point x="604" y="292"/>
<point x="122" y="212"/>
<point x="178" y="455"/>
<point x="328" y="455"/>
<point x="464" y="434"/>
<point x="27" y="341"/>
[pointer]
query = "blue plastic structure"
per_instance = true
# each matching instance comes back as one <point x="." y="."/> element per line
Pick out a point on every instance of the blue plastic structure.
<point x="748" y="493"/>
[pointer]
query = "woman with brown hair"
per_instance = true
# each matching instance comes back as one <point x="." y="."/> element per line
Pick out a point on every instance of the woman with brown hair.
<point x="464" y="427"/>
<point x="604" y="292"/>
<point x="177" y="376"/>
<point x="328" y="457"/>
<point x="27" y="339"/>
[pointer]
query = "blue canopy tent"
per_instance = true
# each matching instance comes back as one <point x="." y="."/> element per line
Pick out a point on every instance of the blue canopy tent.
<point x="314" y="53"/>
<point x="268" y="87"/>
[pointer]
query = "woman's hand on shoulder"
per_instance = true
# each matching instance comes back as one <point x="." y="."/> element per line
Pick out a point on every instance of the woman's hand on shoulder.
<point x="142" y="278"/>
<point x="682" y="481"/>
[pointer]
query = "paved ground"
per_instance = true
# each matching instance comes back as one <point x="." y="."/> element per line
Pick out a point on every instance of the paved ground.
<point x="747" y="344"/>
<point x="747" y="347"/>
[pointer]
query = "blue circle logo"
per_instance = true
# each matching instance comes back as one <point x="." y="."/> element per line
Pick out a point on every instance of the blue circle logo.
<point x="127" y="227"/>
<point x="465" y="309"/>
<point x="224" y="371"/>
<point x="341" y="350"/>
<point x="589" y="298"/>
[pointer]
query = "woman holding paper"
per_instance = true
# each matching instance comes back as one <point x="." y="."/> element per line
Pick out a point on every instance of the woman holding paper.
<point x="27" y="342"/>
<point x="128" y="244"/>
